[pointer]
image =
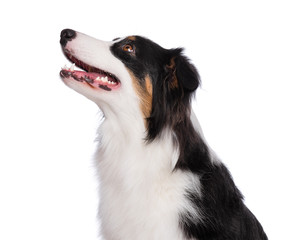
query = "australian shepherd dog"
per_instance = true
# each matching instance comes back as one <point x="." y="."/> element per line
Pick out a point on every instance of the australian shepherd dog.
<point x="158" y="178"/>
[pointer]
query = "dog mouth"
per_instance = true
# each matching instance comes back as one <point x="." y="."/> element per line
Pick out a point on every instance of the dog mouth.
<point x="93" y="76"/>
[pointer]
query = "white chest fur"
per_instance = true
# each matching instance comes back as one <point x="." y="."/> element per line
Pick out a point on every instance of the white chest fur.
<point x="141" y="196"/>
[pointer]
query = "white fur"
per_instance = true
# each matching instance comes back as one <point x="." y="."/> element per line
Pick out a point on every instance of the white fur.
<point x="141" y="196"/>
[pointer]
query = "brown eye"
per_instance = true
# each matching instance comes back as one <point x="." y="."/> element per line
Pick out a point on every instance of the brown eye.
<point x="128" y="48"/>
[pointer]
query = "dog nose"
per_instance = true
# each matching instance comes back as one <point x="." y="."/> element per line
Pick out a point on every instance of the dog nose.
<point x="67" y="35"/>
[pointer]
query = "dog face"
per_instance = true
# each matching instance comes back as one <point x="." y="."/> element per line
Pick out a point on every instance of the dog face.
<point x="131" y="74"/>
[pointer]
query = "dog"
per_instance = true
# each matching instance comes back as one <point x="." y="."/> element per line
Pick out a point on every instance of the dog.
<point x="158" y="177"/>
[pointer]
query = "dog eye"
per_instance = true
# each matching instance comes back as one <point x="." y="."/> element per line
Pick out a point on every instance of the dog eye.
<point x="128" y="48"/>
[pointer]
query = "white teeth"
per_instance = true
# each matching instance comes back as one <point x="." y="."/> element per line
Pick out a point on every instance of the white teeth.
<point x="72" y="67"/>
<point x="104" y="80"/>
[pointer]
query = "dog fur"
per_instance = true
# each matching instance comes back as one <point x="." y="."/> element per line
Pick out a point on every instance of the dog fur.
<point x="158" y="177"/>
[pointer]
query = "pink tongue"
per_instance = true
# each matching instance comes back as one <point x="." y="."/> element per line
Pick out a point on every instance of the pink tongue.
<point x="84" y="75"/>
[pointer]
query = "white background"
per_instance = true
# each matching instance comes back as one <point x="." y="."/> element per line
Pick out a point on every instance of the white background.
<point x="249" y="57"/>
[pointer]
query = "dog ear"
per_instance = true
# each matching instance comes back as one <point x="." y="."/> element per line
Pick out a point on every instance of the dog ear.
<point x="181" y="73"/>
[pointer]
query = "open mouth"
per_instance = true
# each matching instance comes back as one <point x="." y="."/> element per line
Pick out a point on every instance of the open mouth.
<point x="91" y="75"/>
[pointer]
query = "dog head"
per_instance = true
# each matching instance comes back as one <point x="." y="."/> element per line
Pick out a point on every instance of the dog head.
<point x="131" y="75"/>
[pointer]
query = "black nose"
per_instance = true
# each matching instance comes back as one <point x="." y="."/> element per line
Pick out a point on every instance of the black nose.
<point x="67" y="35"/>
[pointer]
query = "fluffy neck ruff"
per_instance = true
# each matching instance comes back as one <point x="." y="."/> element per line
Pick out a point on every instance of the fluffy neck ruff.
<point x="139" y="181"/>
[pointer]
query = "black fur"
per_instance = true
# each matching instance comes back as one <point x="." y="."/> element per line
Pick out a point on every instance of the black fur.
<point x="170" y="105"/>
<point x="174" y="81"/>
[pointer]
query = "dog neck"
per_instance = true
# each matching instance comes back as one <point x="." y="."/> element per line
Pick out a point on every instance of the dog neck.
<point x="122" y="146"/>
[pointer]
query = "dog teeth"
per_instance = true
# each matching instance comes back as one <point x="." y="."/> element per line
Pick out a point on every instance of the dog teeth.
<point x="72" y="67"/>
<point x="104" y="80"/>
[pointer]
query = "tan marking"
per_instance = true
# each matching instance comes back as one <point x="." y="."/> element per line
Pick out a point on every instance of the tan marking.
<point x="145" y="94"/>
<point x="133" y="38"/>
<point x="149" y="86"/>
<point x="172" y="68"/>
<point x="172" y="64"/>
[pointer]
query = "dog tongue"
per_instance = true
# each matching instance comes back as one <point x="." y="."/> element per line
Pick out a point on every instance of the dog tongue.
<point x="89" y="77"/>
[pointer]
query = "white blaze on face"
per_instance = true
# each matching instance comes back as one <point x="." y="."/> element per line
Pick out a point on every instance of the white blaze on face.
<point x="97" y="54"/>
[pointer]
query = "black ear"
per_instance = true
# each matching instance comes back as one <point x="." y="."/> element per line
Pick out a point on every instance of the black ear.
<point x="186" y="73"/>
<point x="182" y="73"/>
